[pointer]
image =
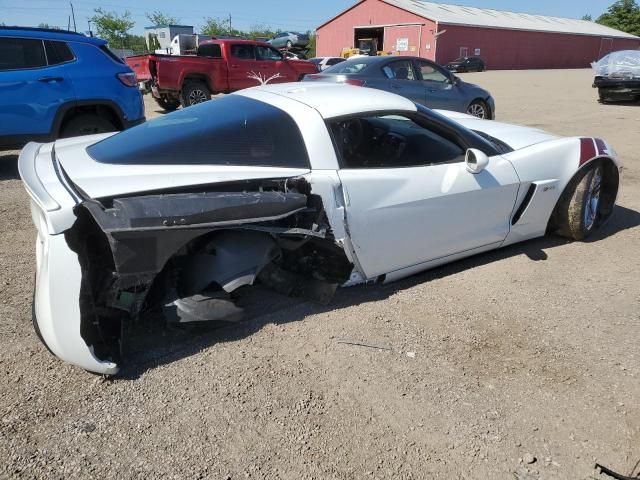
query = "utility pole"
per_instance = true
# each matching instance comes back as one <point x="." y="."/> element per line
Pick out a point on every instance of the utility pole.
<point x="229" y="24"/>
<point x="74" y="17"/>
<point x="90" y="32"/>
<point x="69" y="23"/>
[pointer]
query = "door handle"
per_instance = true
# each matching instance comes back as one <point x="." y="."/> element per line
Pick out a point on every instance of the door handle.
<point x="50" y="79"/>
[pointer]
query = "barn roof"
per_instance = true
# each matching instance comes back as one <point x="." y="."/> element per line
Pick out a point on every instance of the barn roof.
<point x="486" y="17"/>
<point x="489" y="18"/>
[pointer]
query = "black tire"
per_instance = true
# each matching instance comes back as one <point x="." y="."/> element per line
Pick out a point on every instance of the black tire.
<point x="479" y="108"/>
<point x="87" y="124"/>
<point x="194" y="93"/>
<point x="578" y="215"/>
<point x="167" y="103"/>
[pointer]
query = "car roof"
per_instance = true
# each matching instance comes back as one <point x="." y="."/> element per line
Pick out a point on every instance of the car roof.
<point x="335" y="100"/>
<point x="49" y="34"/>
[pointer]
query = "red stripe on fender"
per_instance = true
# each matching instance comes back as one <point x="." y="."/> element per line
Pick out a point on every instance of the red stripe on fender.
<point x="602" y="148"/>
<point x="587" y="150"/>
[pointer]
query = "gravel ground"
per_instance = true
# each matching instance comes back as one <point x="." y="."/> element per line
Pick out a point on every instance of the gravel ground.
<point x="522" y="363"/>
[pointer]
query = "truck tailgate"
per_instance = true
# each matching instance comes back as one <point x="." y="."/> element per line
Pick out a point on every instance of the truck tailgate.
<point x="140" y="64"/>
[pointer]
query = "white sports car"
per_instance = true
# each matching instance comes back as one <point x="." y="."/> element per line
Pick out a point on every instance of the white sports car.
<point x="300" y="187"/>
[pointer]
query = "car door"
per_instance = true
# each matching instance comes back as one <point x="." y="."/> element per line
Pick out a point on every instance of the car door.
<point x="272" y="66"/>
<point x="242" y="66"/>
<point x="31" y="90"/>
<point x="409" y="197"/>
<point x="403" y="80"/>
<point x="440" y="92"/>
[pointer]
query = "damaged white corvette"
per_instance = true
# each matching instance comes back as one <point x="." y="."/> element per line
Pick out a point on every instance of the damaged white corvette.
<point x="299" y="187"/>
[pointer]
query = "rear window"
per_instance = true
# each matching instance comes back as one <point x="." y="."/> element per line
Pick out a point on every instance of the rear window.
<point x="233" y="130"/>
<point x="210" y="50"/>
<point x="57" y="52"/>
<point x="21" y="53"/>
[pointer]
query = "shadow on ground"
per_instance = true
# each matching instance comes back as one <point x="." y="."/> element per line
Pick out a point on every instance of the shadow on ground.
<point x="150" y="346"/>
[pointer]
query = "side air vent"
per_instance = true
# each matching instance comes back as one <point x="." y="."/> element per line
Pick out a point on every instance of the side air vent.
<point x="525" y="203"/>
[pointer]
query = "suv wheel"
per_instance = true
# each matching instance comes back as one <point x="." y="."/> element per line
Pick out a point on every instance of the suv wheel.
<point x="87" y="124"/>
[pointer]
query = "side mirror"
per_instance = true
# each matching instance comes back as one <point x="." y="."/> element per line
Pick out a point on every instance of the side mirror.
<point x="476" y="160"/>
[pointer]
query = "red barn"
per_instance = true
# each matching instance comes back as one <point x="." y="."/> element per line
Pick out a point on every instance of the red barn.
<point x="504" y="40"/>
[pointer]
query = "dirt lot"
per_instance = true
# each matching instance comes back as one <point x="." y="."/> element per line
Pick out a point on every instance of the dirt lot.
<point x="528" y="351"/>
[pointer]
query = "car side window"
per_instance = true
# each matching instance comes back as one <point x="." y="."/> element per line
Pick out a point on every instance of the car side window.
<point x="430" y="73"/>
<point x="243" y="52"/>
<point x="400" y="70"/>
<point x="58" y="52"/>
<point x="267" y="53"/>
<point x="21" y="54"/>
<point x="390" y="141"/>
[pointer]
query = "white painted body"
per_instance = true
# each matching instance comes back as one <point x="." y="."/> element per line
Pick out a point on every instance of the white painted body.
<point x="390" y="222"/>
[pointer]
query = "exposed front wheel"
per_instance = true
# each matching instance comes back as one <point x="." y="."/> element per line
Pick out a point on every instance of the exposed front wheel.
<point x="579" y="212"/>
<point x="479" y="109"/>
<point x="194" y="93"/>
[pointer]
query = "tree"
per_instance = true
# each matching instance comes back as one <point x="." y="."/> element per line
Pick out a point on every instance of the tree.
<point x="312" y="44"/>
<point x="622" y="15"/>
<point x="112" y="27"/>
<point x="260" y="30"/>
<point x="159" y="18"/>
<point x="587" y="18"/>
<point x="220" y="26"/>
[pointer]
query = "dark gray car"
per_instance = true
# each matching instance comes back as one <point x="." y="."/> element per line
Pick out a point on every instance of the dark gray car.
<point x="418" y="79"/>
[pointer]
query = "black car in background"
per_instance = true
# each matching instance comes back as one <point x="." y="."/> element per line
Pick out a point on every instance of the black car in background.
<point x="466" y="64"/>
<point x="617" y="77"/>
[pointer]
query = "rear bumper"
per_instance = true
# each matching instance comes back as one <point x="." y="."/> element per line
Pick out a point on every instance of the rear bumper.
<point x="56" y="302"/>
<point x="616" y="89"/>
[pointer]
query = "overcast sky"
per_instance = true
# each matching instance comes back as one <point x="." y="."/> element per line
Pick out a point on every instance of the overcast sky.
<point x="283" y="14"/>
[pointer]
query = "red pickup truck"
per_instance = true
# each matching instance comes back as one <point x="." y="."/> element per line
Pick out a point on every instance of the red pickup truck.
<point x="220" y="66"/>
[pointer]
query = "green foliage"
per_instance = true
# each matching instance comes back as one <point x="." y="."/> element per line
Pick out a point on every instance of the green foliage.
<point x="259" y="30"/>
<point x="111" y="26"/>
<point x="220" y="26"/>
<point x="312" y="44"/>
<point x="622" y="15"/>
<point x="587" y="17"/>
<point x="159" y="18"/>
<point x="154" y="43"/>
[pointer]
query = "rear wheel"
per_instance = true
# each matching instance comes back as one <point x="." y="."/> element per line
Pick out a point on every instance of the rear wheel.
<point x="579" y="210"/>
<point x="87" y="124"/>
<point x="478" y="108"/>
<point x="168" y="103"/>
<point x="194" y="93"/>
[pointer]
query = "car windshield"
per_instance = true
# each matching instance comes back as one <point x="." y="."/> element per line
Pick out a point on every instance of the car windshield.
<point x="233" y="130"/>
<point x="350" y="66"/>
<point x="459" y="60"/>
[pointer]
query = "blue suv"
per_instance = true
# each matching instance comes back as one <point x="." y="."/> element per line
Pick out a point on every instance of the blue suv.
<point x="62" y="84"/>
